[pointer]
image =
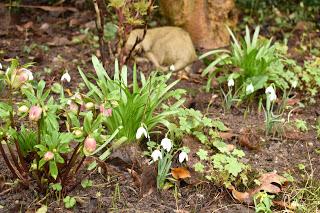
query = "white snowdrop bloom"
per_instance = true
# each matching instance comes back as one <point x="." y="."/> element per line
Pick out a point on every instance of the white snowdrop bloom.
<point x="166" y="144"/>
<point x="183" y="156"/>
<point x="294" y="84"/>
<point x="156" y="155"/>
<point x="172" y="68"/>
<point x="0" y="66"/>
<point x="141" y="131"/>
<point x="249" y="89"/>
<point x="66" y="77"/>
<point x="230" y="82"/>
<point x="271" y="93"/>
<point x="29" y="73"/>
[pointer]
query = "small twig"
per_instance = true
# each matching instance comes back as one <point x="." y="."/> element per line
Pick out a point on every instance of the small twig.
<point x="100" y="29"/>
<point x="139" y="40"/>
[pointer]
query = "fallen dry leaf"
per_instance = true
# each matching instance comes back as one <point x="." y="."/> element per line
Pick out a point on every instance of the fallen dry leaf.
<point x="270" y="183"/>
<point x="246" y="139"/>
<point x="242" y="197"/>
<point x="230" y="147"/>
<point x="59" y="41"/>
<point x="180" y="173"/>
<point x="226" y="135"/>
<point x="136" y="177"/>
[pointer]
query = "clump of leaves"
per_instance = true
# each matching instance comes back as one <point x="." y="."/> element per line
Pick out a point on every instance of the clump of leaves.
<point x="263" y="202"/>
<point x="254" y="60"/>
<point x="132" y="105"/>
<point x="193" y="122"/>
<point x="48" y="137"/>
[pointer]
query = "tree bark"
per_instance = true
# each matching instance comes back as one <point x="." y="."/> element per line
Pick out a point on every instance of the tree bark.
<point x="205" y="20"/>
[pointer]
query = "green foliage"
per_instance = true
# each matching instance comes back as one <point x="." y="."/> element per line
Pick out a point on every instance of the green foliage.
<point x="192" y="122"/>
<point x="132" y="105"/>
<point x="69" y="202"/>
<point x="263" y="202"/>
<point x="42" y="131"/>
<point x="86" y="183"/>
<point x="301" y="125"/>
<point x="257" y="61"/>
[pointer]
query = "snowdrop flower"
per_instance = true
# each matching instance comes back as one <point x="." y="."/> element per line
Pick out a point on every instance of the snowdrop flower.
<point x="271" y="93"/>
<point x="166" y="144"/>
<point x="230" y="82"/>
<point x="156" y="155"/>
<point x="294" y="84"/>
<point x="183" y="156"/>
<point x="0" y="66"/>
<point x="66" y="77"/>
<point x="172" y="68"/>
<point x="249" y="89"/>
<point x="141" y="131"/>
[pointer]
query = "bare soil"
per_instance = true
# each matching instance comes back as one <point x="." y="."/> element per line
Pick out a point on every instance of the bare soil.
<point x="270" y="153"/>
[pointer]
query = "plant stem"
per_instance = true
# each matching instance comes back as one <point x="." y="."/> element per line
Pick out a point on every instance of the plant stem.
<point x="70" y="163"/>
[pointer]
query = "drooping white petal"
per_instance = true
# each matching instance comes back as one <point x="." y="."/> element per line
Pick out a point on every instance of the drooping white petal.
<point x="183" y="156"/>
<point x="166" y="144"/>
<point x="249" y="89"/>
<point x="230" y="82"/>
<point x="294" y="84"/>
<point x="141" y="131"/>
<point x="269" y="90"/>
<point x="66" y="77"/>
<point x="0" y="66"/>
<point x="156" y="155"/>
<point x="172" y="68"/>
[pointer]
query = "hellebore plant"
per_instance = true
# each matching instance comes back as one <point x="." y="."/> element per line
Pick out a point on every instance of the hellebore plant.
<point x="60" y="134"/>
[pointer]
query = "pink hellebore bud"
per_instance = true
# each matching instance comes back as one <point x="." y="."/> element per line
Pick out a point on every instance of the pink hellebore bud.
<point x="21" y="76"/>
<point x="90" y="145"/>
<point x="35" y="113"/>
<point x="105" y="112"/>
<point x="48" y="156"/>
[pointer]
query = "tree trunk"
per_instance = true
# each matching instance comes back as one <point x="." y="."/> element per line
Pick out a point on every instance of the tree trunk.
<point x="205" y="20"/>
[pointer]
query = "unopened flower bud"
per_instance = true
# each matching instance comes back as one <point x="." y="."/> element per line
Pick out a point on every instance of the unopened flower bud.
<point x="89" y="105"/>
<point x="90" y="145"/>
<point x="78" y="133"/>
<point x="48" y="156"/>
<point x="35" y="113"/>
<point x="21" y="76"/>
<point x="23" y="109"/>
<point x="104" y="111"/>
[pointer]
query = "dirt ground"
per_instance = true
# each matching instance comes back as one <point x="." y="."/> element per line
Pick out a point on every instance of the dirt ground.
<point x="46" y="38"/>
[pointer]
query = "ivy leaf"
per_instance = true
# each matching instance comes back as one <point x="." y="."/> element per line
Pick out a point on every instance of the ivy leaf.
<point x="199" y="167"/>
<point x="203" y="154"/>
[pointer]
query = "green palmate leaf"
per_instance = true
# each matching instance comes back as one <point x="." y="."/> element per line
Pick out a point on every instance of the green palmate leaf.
<point x="233" y="166"/>
<point x="86" y="183"/>
<point x="69" y="202"/>
<point x="202" y="154"/>
<point x="219" y="125"/>
<point x="199" y="167"/>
